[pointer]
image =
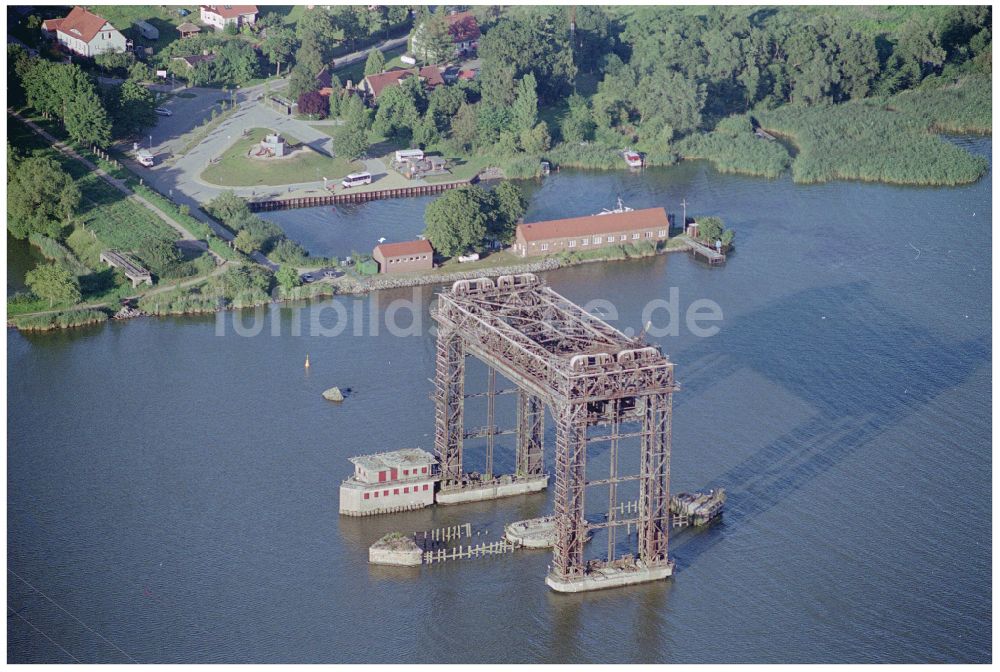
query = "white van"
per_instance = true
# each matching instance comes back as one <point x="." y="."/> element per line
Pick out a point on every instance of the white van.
<point x="144" y="157"/>
<point x="356" y="180"/>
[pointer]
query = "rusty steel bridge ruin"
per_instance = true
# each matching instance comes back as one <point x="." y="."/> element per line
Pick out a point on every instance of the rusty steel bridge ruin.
<point x="600" y="387"/>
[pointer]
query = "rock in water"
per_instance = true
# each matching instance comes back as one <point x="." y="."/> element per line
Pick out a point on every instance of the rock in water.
<point x="334" y="394"/>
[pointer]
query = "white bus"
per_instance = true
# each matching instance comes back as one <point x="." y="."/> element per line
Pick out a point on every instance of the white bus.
<point x="356" y="180"/>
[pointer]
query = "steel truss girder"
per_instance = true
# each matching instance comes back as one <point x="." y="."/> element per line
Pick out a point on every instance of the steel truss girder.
<point x="588" y="374"/>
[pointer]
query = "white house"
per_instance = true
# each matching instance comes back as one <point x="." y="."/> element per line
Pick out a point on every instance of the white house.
<point x="85" y="33"/>
<point x="220" y="16"/>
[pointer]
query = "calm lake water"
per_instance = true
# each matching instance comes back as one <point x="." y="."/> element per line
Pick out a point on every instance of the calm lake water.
<point x="172" y="493"/>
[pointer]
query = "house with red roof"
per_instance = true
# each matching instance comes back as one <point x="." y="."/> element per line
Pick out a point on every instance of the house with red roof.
<point x="412" y="255"/>
<point x="373" y="85"/>
<point x="85" y="33"/>
<point x="220" y="16"/>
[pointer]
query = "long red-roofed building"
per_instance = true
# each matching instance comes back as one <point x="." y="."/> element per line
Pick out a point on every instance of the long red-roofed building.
<point x="412" y="255"/>
<point x="577" y="234"/>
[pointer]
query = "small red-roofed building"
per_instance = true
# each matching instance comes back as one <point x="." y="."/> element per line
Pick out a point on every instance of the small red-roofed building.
<point x="412" y="255"/>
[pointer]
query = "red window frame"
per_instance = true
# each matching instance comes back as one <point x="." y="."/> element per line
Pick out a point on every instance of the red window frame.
<point x="406" y="491"/>
<point x="395" y="491"/>
<point x="366" y="495"/>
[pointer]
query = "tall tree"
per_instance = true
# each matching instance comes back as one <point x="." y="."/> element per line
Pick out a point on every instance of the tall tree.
<point x="350" y="140"/>
<point x="41" y="196"/>
<point x="375" y="63"/>
<point x="53" y="282"/>
<point x="432" y="40"/>
<point x="278" y="46"/>
<point x="525" y="110"/>
<point x="457" y="221"/>
<point x="135" y="108"/>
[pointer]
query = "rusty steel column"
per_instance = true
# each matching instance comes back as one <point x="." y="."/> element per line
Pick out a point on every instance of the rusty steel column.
<point x="571" y="481"/>
<point x="449" y="400"/>
<point x="530" y="433"/>
<point x="654" y="484"/>
<point x="491" y="425"/>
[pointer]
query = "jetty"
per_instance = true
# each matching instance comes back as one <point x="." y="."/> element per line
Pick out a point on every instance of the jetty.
<point x="133" y="271"/>
<point x="356" y="196"/>
<point x="713" y="257"/>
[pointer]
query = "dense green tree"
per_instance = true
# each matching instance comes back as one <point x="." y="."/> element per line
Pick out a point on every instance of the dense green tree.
<point x="41" y="197"/>
<point x="246" y="280"/>
<point x="287" y="277"/>
<point x="235" y="63"/>
<point x="228" y="208"/>
<point x="464" y="126"/>
<point x="535" y="140"/>
<point x="457" y="221"/>
<point x="278" y="46"/>
<point x="524" y="113"/>
<point x="246" y="242"/>
<point x="134" y="108"/>
<point x="375" y="63"/>
<point x="535" y="44"/>
<point x="350" y="139"/>
<point x="55" y="283"/>
<point x="510" y="206"/>
<point x="432" y="41"/>
<point x="397" y="113"/>
<point x="578" y="124"/>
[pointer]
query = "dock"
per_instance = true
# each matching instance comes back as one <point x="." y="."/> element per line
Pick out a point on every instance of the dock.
<point x="356" y="196"/>
<point x="713" y="257"/>
<point x="133" y="271"/>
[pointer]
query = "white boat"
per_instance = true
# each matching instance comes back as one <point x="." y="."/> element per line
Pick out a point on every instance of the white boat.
<point x="633" y="159"/>
<point x="617" y="211"/>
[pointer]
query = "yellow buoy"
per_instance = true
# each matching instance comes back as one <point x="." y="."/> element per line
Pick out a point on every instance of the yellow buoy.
<point x="307" y="361"/>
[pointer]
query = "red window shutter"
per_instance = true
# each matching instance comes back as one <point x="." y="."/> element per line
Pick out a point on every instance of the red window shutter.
<point x="406" y="472"/>
<point x="394" y="474"/>
<point x="385" y="493"/>
<point x="366" y="495"/>
<point x="424" y="470"/>
<point x="425" y="486"/>
<point x="381" y="476"/>
<point x="406" y="491"/>
<point x="376" y="493"/>
<point x="395" y="491"/>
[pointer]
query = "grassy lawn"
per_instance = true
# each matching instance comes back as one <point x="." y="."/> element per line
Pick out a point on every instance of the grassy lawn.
<point x="163" y="17"/>
<point x="236" y="169"/>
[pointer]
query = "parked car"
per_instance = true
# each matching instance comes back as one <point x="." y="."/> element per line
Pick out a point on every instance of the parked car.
<point x="163" y="112"/>
<point x="307" y="277"/>
<point x="183" y="12"/>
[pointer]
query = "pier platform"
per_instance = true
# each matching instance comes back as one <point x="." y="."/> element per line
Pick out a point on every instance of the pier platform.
<point x="503" y="486"/>
<point x="610" y="577"/>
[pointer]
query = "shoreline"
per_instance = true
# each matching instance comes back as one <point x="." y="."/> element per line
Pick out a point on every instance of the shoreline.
<point x="357" y="287"/>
